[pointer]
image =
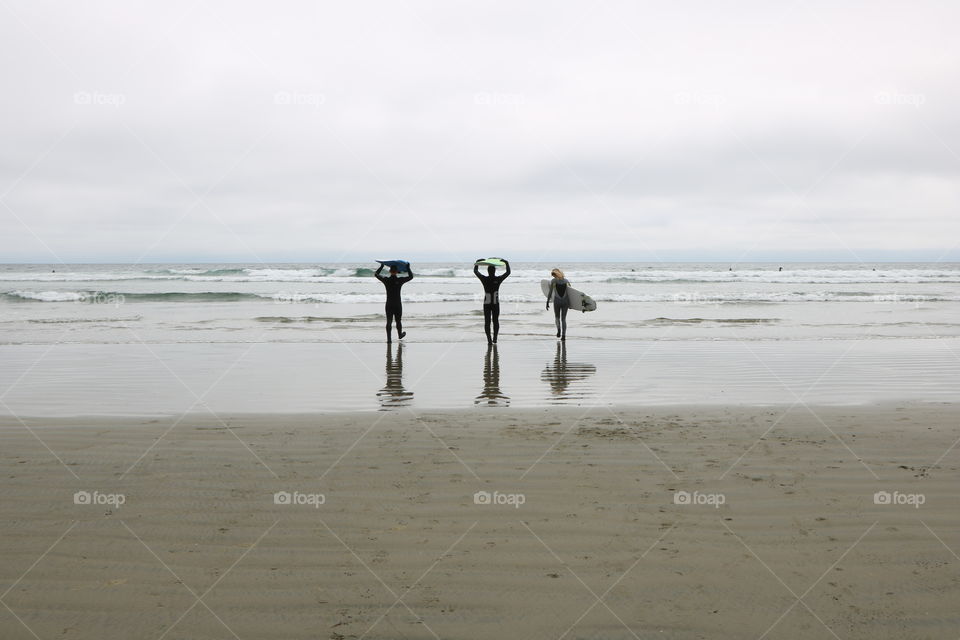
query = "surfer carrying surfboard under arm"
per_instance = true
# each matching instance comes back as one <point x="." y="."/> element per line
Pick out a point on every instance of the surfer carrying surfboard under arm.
<point x="561" y="302"/>
<point x="394" y="306"/>
<point x="491" y="295"/>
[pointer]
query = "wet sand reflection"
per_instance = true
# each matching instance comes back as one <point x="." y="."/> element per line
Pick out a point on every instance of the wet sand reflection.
<point x="393" y="395"/>
<point x="491" y="395"/>
<point x="561" y="373"/>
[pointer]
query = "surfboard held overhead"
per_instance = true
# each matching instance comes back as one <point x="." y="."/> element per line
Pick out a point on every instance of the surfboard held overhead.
<point x="491" y="262"/>
<point x="399" y="265"/>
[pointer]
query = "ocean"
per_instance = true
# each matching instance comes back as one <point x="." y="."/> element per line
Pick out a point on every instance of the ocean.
<point x="309" y="337"/>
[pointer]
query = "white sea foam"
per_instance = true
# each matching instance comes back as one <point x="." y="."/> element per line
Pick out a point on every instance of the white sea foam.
<point x="50" y="296"/>
<point x="852" y="274"/>
<point x="351" y="298"/>
<point x="703" y="297"/>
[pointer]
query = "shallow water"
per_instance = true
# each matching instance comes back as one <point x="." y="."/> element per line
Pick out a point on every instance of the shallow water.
<point x="154" y="379"/>
<point x="111" y="304"/>
<point x="148" y="339"/>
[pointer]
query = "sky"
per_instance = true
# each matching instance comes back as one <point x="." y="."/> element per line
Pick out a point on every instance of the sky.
<point x="327" y="131"/>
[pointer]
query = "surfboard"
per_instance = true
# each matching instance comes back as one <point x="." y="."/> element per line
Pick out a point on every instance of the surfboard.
<point x="545" y="287"/>
<point x="578" y="299"/>
<point x="400" y="265"/>
<point x="491" y="262"/>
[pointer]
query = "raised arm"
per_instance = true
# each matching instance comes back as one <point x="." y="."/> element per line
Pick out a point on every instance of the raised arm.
<point x="377" y="272"/>
<point x="476" y="270"/>
<point x="409" y="274"/>
<point x="506" y="262"/>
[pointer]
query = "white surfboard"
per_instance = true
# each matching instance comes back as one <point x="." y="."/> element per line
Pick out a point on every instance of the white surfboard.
<point x="578" y="299"/>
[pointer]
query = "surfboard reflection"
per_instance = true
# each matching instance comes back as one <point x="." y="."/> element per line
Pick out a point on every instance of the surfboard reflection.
<point x="393" y="395"/>
<point x="491" y="395"/>
<point x="561" y="373"/>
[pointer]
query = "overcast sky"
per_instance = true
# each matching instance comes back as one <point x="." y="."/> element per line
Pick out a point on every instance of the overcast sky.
<point x="153" y="131"/>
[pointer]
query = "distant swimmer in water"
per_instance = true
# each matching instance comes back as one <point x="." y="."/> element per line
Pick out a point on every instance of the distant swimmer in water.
<point x="394" y="306"/>
<point x="561" y="302"/>
<point x="780" y="269"/>
<point x="491" y="297"/>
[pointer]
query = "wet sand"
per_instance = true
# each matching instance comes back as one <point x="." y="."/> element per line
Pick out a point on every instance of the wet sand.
<point x="714" y="522"/>
<point x="268" y="378"/>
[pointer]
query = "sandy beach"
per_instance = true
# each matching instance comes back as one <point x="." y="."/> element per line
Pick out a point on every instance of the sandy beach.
<point x="715" y="522"/>
<point x="479" y="321"/>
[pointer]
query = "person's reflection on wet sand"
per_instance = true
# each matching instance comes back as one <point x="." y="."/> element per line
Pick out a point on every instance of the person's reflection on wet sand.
<point x="491" y="395"/>
<point x="561" y="373"/>
<point x="393" y="395"/>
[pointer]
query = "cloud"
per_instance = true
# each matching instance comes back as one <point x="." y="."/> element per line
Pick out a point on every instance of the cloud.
<point x="235" y="130"/>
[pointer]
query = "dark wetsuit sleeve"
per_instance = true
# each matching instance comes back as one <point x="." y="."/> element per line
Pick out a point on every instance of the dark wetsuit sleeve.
<point x="476" y="270"/>
<point x="505" y="275"/>
<point x="409" y="275"/>
<point x="377" y="273"/>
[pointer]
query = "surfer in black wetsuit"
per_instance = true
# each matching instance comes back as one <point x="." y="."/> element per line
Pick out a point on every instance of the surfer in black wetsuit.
<point x="491" y="297"/>
<point x="394" y="306"/>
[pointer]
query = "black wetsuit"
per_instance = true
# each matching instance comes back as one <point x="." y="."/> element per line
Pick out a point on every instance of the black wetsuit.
<point x="491" y="300"/>
<point x="394" y="307"/>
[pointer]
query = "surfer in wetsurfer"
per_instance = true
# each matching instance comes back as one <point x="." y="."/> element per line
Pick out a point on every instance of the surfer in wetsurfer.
<point x="394" y="306"/>
<point x="561" y="302"/>
<point x="491" y="296"/>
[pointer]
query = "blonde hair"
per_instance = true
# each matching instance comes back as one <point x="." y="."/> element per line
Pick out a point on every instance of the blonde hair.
<point x="556" y="273"/>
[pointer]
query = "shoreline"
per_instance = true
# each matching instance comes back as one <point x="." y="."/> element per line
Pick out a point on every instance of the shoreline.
<point x="599" y="518"/>
<point x="8" y="420"/>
